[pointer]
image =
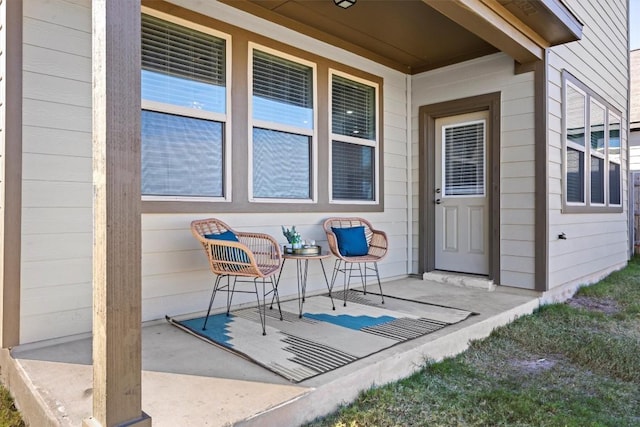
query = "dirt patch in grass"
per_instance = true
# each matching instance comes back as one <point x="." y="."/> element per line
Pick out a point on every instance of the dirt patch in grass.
<point x="607" y="306"/>
<point x="533" y="366"/>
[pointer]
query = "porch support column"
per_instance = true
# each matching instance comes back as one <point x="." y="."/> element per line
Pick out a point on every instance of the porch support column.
<point x="11" y="165"/>
<point x="117" y="389"/>
<point x="493" y="23"/>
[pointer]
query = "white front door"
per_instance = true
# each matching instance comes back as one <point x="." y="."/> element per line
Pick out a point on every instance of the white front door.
<point x="461" y="193"/>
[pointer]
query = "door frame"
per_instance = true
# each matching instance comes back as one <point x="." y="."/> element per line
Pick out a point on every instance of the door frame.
<point x="427" y="115"/>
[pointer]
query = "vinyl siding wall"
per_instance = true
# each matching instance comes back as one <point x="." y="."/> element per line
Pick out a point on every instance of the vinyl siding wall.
<point x="596" y="243"/>
<point x="57" y="188"/>
<point x="494" y="73"/>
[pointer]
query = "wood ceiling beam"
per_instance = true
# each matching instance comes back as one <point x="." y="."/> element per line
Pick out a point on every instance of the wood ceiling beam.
<point x="492" y="22"/>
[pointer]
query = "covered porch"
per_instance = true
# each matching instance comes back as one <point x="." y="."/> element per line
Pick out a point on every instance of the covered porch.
<point x="186" y="381"/>
<point x="128" y="372"/>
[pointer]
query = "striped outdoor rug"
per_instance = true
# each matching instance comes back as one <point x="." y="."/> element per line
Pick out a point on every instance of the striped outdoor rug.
<point x="323" y="339"/>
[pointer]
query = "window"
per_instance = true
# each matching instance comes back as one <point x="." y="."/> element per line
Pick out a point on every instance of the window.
<point x="592" y="167"/>
<point x="354" y="139"/>
<point x="283" y="127"/>
<point x="184" y="111"/>
<point x="295" y="132"/>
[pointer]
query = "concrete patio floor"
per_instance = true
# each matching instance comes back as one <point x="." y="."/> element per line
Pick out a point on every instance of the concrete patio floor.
<point x="188" y="382"/>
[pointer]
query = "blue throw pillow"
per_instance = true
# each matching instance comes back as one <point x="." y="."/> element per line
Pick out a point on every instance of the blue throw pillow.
<point x="351" y="241"/>
<point x="237" y="254"/>
<point x="227" y="235"/>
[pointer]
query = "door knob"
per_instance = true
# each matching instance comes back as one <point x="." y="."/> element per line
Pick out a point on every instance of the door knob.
<point x="438" y="201"/>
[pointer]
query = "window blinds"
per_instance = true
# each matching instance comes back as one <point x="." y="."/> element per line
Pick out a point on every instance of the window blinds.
<point x="281" y="165"/>
<point x="575" y="176"/>
<point x="614" y="183"/>
<point x="181" y="156"/>
<point x="281" y="80"/>
<point x="352" y="171"/>
<point x="178" y="51"/>
<point x="597" y="180"/>
<point x="464" y="159"/>
<point x="353" y="108"/>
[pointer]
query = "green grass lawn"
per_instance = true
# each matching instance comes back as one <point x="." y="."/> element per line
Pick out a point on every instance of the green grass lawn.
<point x="570" y="364"/>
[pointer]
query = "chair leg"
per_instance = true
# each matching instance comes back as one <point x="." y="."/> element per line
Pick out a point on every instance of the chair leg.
<point x="375" y="267"/>
<point x="346" y="282"/>
<point x="334" y="274"/>
<point x="324" y="272"/>
<point x="213" y="295"/>
<point x="363" y="277"/>
<point x="261" y="307"/>
<point x="274" y="287"/>
<point x="230" y="294"/>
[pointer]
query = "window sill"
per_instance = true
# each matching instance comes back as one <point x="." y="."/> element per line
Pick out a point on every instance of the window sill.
<point x="568" y="209"/>
<point x="182" y="207"/>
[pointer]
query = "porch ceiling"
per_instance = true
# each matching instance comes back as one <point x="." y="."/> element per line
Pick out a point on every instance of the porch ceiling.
<point x="411" y="35"/>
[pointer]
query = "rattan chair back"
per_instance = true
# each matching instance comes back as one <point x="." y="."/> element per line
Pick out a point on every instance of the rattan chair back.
<point x="376" y="239"/>
<point x="254" y="255"/>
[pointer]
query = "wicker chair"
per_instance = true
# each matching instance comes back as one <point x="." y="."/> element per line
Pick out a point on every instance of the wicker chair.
<point x="254" y="256"/>
<point x="375" y="250"/>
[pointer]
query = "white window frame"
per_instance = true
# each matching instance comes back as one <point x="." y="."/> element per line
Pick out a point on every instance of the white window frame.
<point x="253" y="123"/>
<point x="225" y="118"/>
<point x="375" y="143"/>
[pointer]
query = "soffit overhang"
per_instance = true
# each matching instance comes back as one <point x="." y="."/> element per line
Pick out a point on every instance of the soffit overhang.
<point x="413" y="36"/>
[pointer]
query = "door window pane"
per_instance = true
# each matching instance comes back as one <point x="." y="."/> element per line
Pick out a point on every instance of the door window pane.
<point x="181" y="156"/>
<point x="352" y="171"/>
<point x="464" y="159"/>
<point x="281" y="165"/>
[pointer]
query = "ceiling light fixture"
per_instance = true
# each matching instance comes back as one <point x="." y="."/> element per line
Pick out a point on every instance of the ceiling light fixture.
<point x="344" y="3"/>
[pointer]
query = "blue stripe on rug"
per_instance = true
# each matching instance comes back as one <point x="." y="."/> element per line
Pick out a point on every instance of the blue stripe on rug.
<point x="217" y="327"/>
<point x="352" y="322"/>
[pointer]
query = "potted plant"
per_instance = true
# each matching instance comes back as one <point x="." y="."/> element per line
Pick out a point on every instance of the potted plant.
<point x="293" y="237"/>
